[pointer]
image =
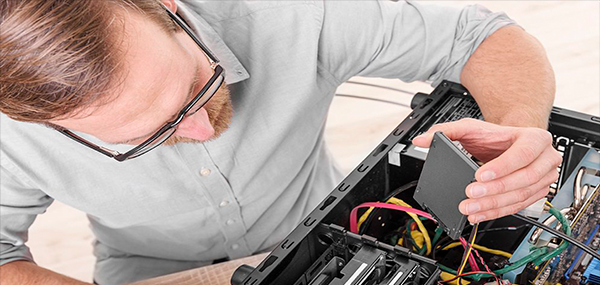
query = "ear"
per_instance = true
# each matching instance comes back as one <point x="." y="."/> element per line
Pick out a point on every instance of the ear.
<point x="171" y="5"/>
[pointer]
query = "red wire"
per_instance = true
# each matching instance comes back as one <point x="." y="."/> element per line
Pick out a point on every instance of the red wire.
<point x="485" y="265"/>
<point x="472" y="261"/>
<point x="354" y="213"/>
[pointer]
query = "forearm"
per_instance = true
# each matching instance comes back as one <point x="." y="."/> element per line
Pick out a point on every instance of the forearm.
<point x="27" y="273"/>
<point x="511" y="78"/>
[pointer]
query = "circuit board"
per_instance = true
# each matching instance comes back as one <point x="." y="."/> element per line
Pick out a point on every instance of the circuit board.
<point x="569" y="267"/>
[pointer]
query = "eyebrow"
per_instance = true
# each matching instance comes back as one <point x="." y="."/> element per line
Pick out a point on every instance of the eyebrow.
<point x="189" y="95"/>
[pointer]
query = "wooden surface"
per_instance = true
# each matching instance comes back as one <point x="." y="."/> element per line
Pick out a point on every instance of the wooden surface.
<point x="208" y="275"/>
<point x="569" y="30"/>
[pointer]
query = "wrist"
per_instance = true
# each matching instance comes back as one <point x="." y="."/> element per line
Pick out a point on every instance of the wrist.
<point x="522" y="119"/>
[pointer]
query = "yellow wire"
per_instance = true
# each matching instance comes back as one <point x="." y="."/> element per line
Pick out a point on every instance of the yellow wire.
<point x="447" y="276"/>
<point x="464" y="263"/>
<point x="417" y="236"/>
<point x="482" y="248"/>
<point x="420" y="225"/>
<point x="364" y="217"/>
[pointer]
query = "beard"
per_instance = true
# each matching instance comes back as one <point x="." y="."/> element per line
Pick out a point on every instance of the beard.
<point x="220" y="111"/>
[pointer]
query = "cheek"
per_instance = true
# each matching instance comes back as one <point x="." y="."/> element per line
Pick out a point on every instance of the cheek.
<point x="220" y="102"/>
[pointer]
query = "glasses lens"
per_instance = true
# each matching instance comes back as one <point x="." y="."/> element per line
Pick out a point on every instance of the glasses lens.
<point x="209" y="94"/>
<point x="153" y="144"/>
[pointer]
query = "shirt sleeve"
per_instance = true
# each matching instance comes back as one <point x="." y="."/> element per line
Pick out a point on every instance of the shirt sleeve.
<point x="405" y="40"/>
<point x="19" y="205"/>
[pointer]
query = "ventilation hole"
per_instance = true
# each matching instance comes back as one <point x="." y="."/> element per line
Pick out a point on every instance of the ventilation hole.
<point x="309" y="221"/>
<point x="343" y="187"/>
<point x="327" y="202"/>
<point x="268" y="263"/>
<point x="363" y="168"/>
<point x="379" y="149"/>
<point x="398" y="132"/>
<point x="287" y="244"/>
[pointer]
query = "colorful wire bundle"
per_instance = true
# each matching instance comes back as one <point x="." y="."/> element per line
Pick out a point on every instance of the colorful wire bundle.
<point x="353" y="214"/>
<point x="471" y="258"/>
<point x="468" y="252"/>
<point x="482" y="248"/>
<point x="415" y="236"/>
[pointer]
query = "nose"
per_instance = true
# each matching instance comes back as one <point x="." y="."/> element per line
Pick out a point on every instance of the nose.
<point x="196" y="126"/>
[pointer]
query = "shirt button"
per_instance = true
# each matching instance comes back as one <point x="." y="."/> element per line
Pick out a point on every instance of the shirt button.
<point x="235" y="246"/>
<point x="230" y="222"/>
<point x="205" y="172"/>
<point x="224" y="203"/>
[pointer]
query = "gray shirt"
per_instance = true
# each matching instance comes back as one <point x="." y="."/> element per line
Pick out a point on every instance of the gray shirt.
<point x="182" y="206"/>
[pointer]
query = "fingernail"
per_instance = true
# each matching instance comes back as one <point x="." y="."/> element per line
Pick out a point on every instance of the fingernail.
<point x="478" y="191"/>
<point x="487" y="176"/>
<point x="473" y="208"/>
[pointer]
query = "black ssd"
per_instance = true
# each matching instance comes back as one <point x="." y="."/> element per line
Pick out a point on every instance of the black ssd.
<point x="446" y="173"/>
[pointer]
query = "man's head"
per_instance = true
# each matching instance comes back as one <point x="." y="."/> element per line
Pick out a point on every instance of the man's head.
<point x="115" y="69"/>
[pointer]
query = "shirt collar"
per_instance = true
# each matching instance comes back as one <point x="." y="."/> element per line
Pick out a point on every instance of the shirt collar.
<point x="234" y="70"/>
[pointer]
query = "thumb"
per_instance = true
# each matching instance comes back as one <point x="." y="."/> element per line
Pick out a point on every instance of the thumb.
<point x="424" y="139"/>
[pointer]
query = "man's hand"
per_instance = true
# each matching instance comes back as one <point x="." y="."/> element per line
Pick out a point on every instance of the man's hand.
<point x="520" y="164"/>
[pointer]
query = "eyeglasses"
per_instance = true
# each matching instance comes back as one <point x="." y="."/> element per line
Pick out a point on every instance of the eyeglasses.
<point x="207" y="92"/>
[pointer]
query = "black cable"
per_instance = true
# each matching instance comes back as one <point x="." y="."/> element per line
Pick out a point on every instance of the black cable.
<point x="398" y="190"/>
<point x="559" y="234"/>
<point x="382" y="87"/>
<point x="401" y="189"/>
<point x="372" y="99"/>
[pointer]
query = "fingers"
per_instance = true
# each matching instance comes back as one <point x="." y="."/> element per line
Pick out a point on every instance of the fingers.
<point x="521" y="164"/>
<point x="508" y="210"/>
<point x="547" y="162"/>
<point x="453" y="130"/>
<point x="495" y="206"/>
<point x="528" y="145"/>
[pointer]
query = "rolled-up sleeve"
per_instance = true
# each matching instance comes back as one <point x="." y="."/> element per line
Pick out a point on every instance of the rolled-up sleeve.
<point x="19" y="205"/>
<point x="405" y="40"/>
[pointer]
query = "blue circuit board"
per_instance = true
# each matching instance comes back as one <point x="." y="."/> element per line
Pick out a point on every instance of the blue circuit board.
<point x="553" y="271"/>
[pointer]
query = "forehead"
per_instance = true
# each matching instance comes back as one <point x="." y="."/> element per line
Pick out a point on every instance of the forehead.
<point x="156" y="66"/>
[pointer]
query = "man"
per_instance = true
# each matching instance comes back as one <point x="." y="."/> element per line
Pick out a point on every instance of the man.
<point x="86" y="84"/>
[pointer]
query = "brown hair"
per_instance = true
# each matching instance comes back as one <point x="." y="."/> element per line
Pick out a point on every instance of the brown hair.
<point x="59" y="56"/>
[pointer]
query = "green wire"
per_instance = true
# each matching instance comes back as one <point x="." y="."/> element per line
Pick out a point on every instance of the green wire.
<point x="521" y="262"/>
<point x="475" y="277"/>
<point x="438" y="233"/>
<point x="540" y="255"/>
<point x="532" y="256"/>
<point x="537" y="256"/>
<point x="566" y="229"/>
<point x="412" y="241"/>
<point x="420" y="250"/>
